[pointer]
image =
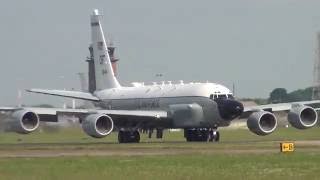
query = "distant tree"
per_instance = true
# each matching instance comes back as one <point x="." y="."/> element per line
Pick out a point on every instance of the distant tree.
<point x="300" y="95"/>
<point x="278" y="95"/>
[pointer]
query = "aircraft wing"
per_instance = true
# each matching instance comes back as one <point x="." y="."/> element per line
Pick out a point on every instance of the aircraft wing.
<point x="51" y="114"/>
<point x="96" y="123"/>
<point x="315" y="104"/>
<point x="64" y="93"/>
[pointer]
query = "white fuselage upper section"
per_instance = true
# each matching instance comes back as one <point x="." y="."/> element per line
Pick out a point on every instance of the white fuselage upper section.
<point x="164" y="90"/>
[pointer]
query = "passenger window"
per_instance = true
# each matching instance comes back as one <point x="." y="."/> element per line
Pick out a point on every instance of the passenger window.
<point x="211" y="96"/>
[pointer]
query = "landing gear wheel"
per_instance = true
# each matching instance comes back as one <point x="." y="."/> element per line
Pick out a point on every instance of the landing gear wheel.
<point x="210" y="135"/>
<point x="216" y="136"/>
<point x="136" y="137"/>
<point x="200" y="135"/>
<point x="128" y="137"/>
<point x="159" y="133"/>
<point x="121" y="137"/>
<point x="189" y="135"/>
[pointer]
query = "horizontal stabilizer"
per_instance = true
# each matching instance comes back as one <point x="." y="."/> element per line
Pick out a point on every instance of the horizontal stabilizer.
<point x="63" y="93"/>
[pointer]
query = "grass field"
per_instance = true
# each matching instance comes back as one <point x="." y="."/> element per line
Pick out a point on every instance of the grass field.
<point x="270" y="166"/>
<point x="239" y="155"/>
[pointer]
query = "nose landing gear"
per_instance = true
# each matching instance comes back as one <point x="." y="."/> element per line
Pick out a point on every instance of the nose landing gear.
<point x="213" y="136"/>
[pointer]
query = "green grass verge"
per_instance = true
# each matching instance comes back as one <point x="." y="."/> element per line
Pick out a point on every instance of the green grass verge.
<point x="200" y="162"/>
<point x="270" y="166"/>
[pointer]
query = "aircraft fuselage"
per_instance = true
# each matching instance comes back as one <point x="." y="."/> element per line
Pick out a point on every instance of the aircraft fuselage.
<point x="195" y="105"/>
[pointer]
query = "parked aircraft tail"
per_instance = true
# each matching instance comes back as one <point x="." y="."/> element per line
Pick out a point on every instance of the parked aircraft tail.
<point x="104" y="75"/>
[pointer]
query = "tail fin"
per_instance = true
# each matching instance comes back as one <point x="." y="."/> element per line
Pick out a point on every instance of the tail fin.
<point x="104" y="74"/>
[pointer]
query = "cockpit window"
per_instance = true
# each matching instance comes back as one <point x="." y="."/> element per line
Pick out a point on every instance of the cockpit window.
<point x="220" y="96"/>
<point x="230" y="96"/>
<point x="211" y="96"/>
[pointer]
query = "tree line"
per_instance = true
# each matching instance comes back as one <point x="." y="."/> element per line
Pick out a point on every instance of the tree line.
<point x="281" y="95"/>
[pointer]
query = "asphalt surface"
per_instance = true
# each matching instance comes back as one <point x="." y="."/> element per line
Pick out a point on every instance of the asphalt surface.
<point x="142" y="149"/>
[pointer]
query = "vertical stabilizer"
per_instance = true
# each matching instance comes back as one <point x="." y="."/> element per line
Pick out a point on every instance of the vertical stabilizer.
<point x="104" y="75"/>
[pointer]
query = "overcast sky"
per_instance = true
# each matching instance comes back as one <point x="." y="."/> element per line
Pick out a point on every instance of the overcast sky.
<point x="257" y="44"/>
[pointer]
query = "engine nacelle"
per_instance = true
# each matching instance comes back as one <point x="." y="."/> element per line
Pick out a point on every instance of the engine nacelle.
<point x="24" y="121"/>
<point x="302" y="117"/>
<point x="262" y="123"/>
<point x="97" y="125"/>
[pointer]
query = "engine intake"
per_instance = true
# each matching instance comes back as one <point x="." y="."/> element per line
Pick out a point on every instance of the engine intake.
<point x="302" y="117"/>
<point x="97" y="125"/>
<point x="262" y="123"/>
<point x="24" y="121"/>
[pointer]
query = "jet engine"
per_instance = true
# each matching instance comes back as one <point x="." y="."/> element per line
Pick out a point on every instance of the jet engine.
<point x="97" y="125"/>
<point x="262" y="123"/>
<point x="302" y="117"/>
<point x="23" y="121"/>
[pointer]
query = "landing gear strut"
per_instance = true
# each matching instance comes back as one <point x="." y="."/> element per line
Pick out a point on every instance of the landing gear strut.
<point x="213" y="136"/>
<point x="159" y="133"/>
<point x="128" y="137"/>
<point x="201" y="134"/>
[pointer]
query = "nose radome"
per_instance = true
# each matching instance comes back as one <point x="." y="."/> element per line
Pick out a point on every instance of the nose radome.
<point x="229" y="109"/>
<point x="239" y="107"/>
<point x="236" y="108"/>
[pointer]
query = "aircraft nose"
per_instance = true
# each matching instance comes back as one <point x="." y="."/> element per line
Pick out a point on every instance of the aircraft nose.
<point x="229" y="109"/>
<point x="239" y="108"/>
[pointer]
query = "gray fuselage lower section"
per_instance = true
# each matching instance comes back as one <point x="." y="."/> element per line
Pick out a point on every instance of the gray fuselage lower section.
<point x="184" y="112"/>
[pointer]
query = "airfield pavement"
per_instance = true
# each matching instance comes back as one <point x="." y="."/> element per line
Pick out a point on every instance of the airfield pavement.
<point x="43" y="150"/>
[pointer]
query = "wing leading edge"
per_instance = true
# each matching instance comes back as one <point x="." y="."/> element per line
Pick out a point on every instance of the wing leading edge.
<point x="315" y="104"/>
<point x="63" y="93"/>
<point x="135" y="114"/>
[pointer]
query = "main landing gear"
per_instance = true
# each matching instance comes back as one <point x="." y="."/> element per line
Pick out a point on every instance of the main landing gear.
<point x="128" y="136"/>
<point x="133" y="136"/>
<point x="201" y="135"/>
<point x="191" y="135"/>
